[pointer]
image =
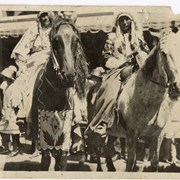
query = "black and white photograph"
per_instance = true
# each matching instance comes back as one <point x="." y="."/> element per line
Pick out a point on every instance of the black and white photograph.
<point x="89" y="89"/>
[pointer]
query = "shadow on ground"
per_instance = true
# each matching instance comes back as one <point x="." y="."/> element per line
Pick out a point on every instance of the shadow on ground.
<point x="164" y="168"/>
<point x="35" y="166"/>
<point x="22" y="166"/>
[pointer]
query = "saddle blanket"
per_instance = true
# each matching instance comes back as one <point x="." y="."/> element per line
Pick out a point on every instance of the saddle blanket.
<point x="55" y="129"/>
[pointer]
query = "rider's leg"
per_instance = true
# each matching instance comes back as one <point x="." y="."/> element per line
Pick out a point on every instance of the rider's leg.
<point x="5" y="143"/>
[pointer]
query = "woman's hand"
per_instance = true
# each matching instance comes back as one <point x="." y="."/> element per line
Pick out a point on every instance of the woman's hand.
<point x="113" y="63"/>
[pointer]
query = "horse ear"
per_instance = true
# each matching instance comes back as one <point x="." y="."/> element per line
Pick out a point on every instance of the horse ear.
<point x="71" y="16"/>
<point x="151" y="38"/>
<point x="74" y="18"/>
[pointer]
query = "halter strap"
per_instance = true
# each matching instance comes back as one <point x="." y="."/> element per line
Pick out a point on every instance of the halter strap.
<point x="159" y="84"/>
<point x="54" y="60"/>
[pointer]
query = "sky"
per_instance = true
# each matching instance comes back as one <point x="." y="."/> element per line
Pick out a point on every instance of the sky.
<point x="175" y="4"/>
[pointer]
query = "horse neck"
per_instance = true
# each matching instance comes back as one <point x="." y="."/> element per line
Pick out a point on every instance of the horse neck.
<point x="51" y="76"/>
<point x="144" y="92"/>
<point x="154" y="67"/>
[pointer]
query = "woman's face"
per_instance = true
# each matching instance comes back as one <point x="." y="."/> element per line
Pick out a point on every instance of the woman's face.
<point x="125" y="24"/>
<point x="45" y="21"/>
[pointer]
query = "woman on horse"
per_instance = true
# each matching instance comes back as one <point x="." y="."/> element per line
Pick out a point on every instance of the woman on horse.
<point x="124" y="52"/>
<point x="31" y="54"/>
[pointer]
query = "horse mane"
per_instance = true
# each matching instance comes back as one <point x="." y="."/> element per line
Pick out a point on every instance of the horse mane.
<point x="81" y="65"/>
<point x="150" y="62"/>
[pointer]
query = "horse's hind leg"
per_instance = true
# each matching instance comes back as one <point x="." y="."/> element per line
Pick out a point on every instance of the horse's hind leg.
<point x="131" y="145"/>
<point x="82" y="160"/>
<point x="45" y="160"/>
<point x="108" y="149"/>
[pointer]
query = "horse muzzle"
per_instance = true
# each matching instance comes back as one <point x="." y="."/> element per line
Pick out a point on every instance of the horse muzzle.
<point x="174" y="90"/>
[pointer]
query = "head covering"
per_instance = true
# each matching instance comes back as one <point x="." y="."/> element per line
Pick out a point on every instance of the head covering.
<point x="41" y="13"/>
<point x="136" y="32"/>
<point x="9" y="72"/>
<point x="123" y="15"/>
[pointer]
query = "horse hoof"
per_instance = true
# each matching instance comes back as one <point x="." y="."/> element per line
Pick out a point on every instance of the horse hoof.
<point x="112" y="169"/>
<point x="99" y="170"/>
<point x="154" y="166"/>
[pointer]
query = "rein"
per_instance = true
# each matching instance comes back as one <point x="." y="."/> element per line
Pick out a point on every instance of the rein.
<point x="159" y="84"/>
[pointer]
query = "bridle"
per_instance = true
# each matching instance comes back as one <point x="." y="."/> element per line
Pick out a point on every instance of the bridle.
<point x="56" y="65"/>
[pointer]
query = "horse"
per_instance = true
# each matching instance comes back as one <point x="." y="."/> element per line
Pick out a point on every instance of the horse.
<point x="59" y="83"/>
<point x="137" y="105"/>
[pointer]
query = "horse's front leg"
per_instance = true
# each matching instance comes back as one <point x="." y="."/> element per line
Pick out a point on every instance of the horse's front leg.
<point x="98" y="156"/>
<point x="131" y="149"/>
<point x="60" y="161"/>
<point x="155" y="148"/>
<point x="108" y="149"/>
<point x="45" y="160"/>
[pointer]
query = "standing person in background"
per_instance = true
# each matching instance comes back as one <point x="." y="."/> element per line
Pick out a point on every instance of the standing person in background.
<point x="173" y="27"/>
<point x="170" y="151"/>
<point x="8" y="124"/>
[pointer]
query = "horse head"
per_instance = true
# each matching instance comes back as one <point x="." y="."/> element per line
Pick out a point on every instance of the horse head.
<point x="167" y="64"/>
<point x="64" y="40"/>
<point x="68" y="56"/>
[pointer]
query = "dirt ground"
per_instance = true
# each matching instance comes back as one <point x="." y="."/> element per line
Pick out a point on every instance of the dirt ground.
<point x="25" y="162"/>
<point x="26" y="166"/>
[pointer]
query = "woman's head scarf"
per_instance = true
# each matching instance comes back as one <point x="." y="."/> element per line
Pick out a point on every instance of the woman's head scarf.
<point x="136" y="32"/>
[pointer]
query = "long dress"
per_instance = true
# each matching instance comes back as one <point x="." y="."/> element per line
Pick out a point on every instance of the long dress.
<point x="36" y="42"/>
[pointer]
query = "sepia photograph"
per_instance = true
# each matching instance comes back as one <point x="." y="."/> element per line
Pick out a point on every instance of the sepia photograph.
<point x="89" y="89"/>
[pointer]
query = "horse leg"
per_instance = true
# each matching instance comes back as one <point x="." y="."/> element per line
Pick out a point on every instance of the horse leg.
<point x="108" y="149"/>
<point x="157" y="141"/>
<point x="63" y="162"/>
<point x="131" y="149"/>
<point x="45" y="160"/>
<point x="98" y="156"/>
<point x="83" y="155"/>
<point x="82" y="160"/>
<point x="57" y="158"/>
